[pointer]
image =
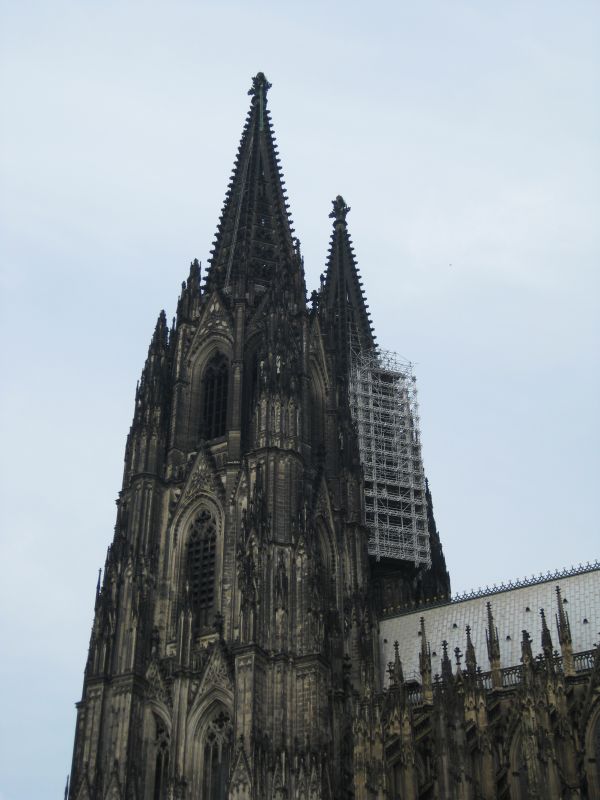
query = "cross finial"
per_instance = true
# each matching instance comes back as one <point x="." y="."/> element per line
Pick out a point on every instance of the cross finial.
<point x="457" y="656"/>
<point x="259" y="89"/>
<point x="340" y="209"/>
<point x="260" y="85"/>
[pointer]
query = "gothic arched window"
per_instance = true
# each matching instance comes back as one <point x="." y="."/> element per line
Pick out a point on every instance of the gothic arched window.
<point x="161" y="767"/>
<point x="217" y="744"/>
<point x="520" y="772"/>
<point x="215" y="382"/>
<point x="201" y="568"/>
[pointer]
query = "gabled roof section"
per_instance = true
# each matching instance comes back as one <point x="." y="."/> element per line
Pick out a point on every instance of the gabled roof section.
<point x="344" y="300"/>
<point x="254" y="238"/>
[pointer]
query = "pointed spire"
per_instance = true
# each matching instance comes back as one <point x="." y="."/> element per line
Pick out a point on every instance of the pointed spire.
<point x="161" y="333"/>
<point x="470" y="657"/>
<point x="67" y="788"/>
<point x="188" y="303"/>
<point x="526" y="654"/>
<point x="343" y="304"/>
<point x="398" y="673"/>
<point x="425" y="665"/>
<point x="493" y="648"/>
<point x="254" y="242"/>
<point x="564" y="636"/>
<point x="546" y="638"/>
<point x="151" y="389"/>
<point x="446" y="663"/>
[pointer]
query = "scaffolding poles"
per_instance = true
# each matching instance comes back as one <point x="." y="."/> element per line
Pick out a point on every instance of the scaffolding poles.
<point x="383" y="401"/>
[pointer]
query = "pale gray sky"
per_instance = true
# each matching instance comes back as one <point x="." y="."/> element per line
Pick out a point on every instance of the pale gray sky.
<point x="465" y="137"/>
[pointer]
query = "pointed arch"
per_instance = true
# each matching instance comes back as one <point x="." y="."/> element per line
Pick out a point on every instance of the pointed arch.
<point x="162" y="746"/>
<point x="210" y="741"/>
<point x="200" y="568"/>
<point x="196" y="544"/>
<point x="205" y="401"/>
<point x="520" y="782"/>
<point x="215" y="393"/>
<point x="157" y="750"/>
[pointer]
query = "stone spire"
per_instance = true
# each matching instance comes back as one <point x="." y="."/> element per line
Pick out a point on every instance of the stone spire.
<point x="470" y="658"/>
<point x="446" y="664"/>
<point x="425" y="665"/>
<point x="396" y="672"/>
<point x="493" y="648"/>
<point x="145" y="444"/>
<point x="343" y="304"/>
<point x="254" y="241"/>
<point x="564" y="636"/>
<point x="546" y="638"/>
<point x="189" y="299"/>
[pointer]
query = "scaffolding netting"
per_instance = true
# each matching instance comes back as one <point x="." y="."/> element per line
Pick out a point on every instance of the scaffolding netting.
<point x="383" y="401"/>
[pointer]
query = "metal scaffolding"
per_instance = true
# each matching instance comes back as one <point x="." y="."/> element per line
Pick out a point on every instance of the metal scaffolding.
<point x="383" y="401"/>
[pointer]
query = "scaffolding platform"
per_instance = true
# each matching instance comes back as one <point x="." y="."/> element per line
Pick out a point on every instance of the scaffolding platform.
<point x="383" y="402"/>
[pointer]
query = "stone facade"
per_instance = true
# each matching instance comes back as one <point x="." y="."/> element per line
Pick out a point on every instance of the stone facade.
<point x="235" y="648"/>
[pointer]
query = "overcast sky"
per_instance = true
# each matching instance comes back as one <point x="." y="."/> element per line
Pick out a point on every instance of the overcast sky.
<point x="464" y="135"/>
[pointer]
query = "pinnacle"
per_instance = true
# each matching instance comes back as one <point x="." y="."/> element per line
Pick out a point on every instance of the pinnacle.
<point x="160" y="331"/>
<point x="344" y="297"/>
<point x="254" y="239"/>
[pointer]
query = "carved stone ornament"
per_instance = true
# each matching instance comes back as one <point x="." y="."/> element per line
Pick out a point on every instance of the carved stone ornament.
<point x="240" y="782"/>
<point x="216" y="674"/>
<point x="214" y="320"/>
<point x="202" y="478"/>
<point x="156" y="686"/>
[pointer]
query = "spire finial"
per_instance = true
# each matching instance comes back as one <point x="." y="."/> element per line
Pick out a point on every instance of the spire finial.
<point x="340" y="209"/>
<point x="260" y="86"/>
<point x="493" y="648"/>
<point x="425" y="665"/>
<point x="258" y="91"/>
<point x="470" y="658"/>
<point x="564" y="635"/>
<point x="424" y="649"/>
<point x="446" y="663"/>
<point x="546" y="637"/>
<point x="457" y="656"/>
<point x="396" y="673"/>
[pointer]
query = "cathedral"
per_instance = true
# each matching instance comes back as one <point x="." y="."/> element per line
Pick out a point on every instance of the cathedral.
<point x="274" y="619"/>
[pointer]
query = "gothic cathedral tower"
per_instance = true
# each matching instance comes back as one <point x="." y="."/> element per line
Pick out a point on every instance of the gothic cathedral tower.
<point x="234" y="623"/>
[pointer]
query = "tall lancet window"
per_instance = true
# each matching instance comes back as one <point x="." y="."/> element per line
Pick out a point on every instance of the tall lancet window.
<point x="201" y="568"/>
<point x="161" y="767"/>
<point x="217" y="744"/>
<point x="216" y="379"/>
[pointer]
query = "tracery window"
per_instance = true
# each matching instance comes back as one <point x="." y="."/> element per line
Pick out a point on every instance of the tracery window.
<point x="161" y="767"/>
<point x="201" y="568"/>
<point x="216" y="380"/>
<point x="217" y="751"/>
